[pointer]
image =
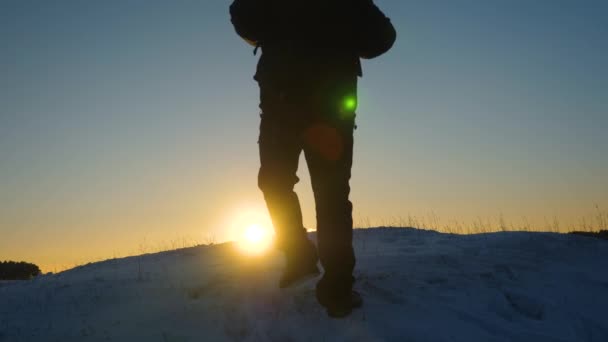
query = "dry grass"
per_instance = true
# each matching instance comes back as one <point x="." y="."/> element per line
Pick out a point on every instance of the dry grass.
<point x="431" y="221"/>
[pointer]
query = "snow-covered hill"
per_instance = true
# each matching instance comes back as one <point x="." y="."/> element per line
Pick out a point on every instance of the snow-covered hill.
<point x="417" y="286"/>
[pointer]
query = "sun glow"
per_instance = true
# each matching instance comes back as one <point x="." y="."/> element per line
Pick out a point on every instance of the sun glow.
<point x="255" y="239"/>
<point x="250" y="227"/>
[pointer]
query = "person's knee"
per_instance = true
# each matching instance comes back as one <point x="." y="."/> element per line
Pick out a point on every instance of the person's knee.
<point x="332" y="197"/>
<point x="271" y="181"/>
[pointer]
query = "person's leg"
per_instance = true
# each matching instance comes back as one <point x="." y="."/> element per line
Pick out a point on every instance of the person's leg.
<point x="280" y="150"/>
<point x="328" y="150"/>
<point x="280" y="145"/>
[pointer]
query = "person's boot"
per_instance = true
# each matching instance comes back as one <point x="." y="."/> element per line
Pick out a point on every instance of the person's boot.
<point x="301" y="264"/>
<point x="338" y="298"/>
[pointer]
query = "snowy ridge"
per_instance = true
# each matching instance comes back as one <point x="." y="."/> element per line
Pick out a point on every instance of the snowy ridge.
<point x="417" y="286"/>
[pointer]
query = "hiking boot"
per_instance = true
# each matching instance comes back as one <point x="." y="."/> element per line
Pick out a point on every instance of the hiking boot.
<point x="297" y="274"/>
<point x="339" y="306"/>
<point x="335" y="293"/>
<point x="301" y="265"/>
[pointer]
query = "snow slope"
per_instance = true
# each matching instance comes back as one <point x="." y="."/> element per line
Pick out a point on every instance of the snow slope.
<point x="417" y="285"/>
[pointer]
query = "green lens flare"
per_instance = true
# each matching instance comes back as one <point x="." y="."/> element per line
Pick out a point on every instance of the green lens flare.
<point x="350" y="104"/>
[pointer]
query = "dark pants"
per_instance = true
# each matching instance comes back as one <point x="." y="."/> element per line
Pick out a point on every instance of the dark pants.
<point x="326" y="137"/>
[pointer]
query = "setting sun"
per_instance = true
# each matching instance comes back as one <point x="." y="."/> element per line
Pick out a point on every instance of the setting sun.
<point x="255" y="239"/>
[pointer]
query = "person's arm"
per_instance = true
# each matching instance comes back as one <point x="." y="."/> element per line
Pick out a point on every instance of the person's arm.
<point x="248" y="19"/>
<point x="375" y="34"/>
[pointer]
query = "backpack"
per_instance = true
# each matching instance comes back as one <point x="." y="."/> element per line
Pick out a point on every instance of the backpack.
<point x="359" y="24"/>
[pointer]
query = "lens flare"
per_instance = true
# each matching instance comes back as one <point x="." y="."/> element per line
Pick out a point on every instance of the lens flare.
<point x="349" y="104"/>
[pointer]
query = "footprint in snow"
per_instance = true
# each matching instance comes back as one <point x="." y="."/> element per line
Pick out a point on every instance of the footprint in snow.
<point x="374" y="291"/>
<point x="525" y="305"/>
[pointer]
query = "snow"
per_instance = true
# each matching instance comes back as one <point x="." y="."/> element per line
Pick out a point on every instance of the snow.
<point x="417" y="285"/>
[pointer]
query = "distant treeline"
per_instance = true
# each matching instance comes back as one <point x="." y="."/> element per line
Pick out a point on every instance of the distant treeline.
<point x="12" y="270"/>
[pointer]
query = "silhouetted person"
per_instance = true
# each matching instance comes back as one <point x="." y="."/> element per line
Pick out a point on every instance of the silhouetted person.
<point x="307" y="75"/>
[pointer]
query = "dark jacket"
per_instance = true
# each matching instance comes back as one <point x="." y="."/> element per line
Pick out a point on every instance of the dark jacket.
<point x="311" y="48"/>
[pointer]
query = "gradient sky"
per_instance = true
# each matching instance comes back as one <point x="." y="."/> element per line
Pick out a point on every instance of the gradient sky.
<point x="131" y="125"/>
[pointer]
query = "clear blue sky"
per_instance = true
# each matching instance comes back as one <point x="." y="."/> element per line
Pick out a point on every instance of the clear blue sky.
<point x="131" y="121"/>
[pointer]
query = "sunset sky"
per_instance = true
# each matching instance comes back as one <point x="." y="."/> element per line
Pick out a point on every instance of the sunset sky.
<point x="129" y="126"/>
